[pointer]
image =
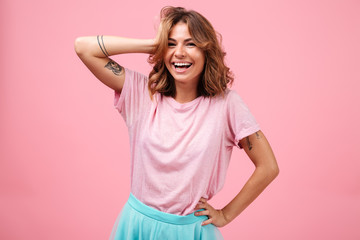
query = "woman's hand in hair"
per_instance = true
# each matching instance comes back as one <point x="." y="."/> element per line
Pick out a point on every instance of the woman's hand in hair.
<point x="216" y="216"/>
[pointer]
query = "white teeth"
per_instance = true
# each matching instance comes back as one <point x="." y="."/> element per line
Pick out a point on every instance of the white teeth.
<point x="182" y="64"/>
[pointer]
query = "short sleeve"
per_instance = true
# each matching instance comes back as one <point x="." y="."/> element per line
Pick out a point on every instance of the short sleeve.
<point x="241" y="122"/>
<point x="133" y="97"/>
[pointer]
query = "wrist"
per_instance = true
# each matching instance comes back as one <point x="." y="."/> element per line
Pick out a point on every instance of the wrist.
<point x="150" y="45"/>
<point x="226" y="216"/>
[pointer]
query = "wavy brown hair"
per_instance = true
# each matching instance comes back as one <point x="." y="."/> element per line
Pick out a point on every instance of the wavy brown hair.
<point x="215" y="76"/>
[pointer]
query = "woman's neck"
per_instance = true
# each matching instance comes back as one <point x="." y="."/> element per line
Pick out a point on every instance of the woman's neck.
<point x="185" y="94"/>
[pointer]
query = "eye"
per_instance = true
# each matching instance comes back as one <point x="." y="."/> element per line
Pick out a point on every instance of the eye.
<point x="191" y="44"/>
<point x="171" y="44"/>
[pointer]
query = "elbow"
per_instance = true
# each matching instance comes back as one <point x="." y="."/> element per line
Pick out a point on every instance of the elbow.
<point x="274" y="171"/>
<point x="80" y="46"/>
<point x="270" y="171"/>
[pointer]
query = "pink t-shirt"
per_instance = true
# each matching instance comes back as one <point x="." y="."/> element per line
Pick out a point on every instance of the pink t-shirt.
<point x="180" y="151"/>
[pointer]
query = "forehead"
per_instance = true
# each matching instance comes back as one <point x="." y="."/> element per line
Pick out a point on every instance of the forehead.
<point x="180" y="31"/>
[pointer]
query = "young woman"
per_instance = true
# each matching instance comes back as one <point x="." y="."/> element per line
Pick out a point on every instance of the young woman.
<point x="183" y="122"/>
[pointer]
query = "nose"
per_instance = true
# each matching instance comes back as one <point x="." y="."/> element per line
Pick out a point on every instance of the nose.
<point x="179" y="51"/>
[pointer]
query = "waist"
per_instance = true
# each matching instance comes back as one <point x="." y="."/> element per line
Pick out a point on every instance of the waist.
<point x="163" y="216"/>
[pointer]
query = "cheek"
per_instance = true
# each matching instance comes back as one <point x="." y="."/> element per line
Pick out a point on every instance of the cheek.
<point x="167" y="60"/>
<point x="201" y="61"/>
<point x="167" y="64"/>
<point x="168" y="54"/>
<point x="200" y="57"/>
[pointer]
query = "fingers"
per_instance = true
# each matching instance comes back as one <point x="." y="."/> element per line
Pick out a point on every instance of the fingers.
<point x="202" y="213"/>
<point x="209" y="221"/>
<point x="208" y="209"/>
<point x="214" y="216"/>
<point x="203" y="200"/>
<point x="202" y="204"/>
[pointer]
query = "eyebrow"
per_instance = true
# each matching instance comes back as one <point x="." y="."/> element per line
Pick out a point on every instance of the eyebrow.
<point x="186" y="40"/>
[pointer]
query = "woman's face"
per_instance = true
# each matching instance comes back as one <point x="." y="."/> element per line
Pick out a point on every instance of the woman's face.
<point x="184" y="60"/>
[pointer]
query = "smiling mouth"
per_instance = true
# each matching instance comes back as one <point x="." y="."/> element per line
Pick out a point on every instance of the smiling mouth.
<point x="182" y="65"/>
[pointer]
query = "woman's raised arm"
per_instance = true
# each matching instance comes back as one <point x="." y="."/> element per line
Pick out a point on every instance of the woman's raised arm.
<point x="94" y="52"/>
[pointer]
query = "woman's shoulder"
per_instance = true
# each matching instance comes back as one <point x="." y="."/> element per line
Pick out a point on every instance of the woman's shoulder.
<point x="227" y="95"/>
<point x="230" y="98"/>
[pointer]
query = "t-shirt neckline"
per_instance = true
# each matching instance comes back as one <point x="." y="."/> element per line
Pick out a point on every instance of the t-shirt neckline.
<point x="182" y="106"/>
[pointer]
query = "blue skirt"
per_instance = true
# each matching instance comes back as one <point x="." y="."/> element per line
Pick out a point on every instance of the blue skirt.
<point x="138" y="221"/>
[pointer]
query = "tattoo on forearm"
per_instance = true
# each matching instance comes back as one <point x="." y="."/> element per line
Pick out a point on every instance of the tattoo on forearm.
<point x="114" y="67"/>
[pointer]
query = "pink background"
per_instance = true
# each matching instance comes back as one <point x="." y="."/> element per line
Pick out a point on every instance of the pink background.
<point x="64" y="168"/>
